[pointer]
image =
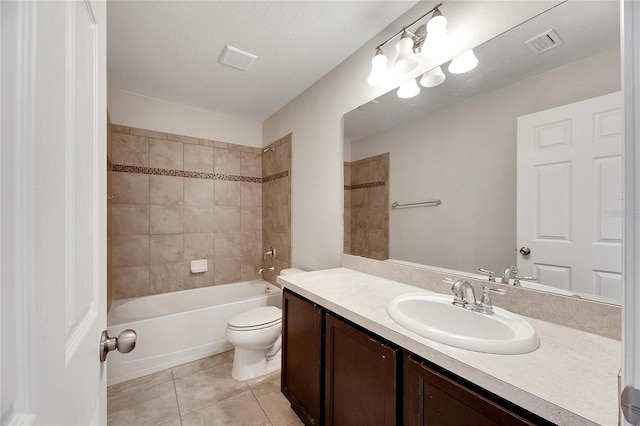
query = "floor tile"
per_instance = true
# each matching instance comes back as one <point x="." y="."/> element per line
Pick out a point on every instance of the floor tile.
<point x="199" y="365"/>
<point x="277" y="408"/>
<point x="138" y="384"/>
<point x="265" y="384"/>
<point x="205" y="387"/>
<point x="241" y="409"/>
<point x="174" y="422"/>
<point x="149" y="406"/>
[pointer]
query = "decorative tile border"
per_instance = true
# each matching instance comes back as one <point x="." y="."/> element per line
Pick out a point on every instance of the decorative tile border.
<point x="364" y="185"/>
<point x="276" y="176"/>
<point x="189" y="174"/>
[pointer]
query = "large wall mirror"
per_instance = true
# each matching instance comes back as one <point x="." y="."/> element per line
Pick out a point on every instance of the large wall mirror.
<point x="523" y="153"/>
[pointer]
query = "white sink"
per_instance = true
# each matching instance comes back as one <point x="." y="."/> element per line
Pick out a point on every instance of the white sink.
<point x="433" y="316"/>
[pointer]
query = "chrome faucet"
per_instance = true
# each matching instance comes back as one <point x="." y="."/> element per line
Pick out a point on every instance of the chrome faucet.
<point x="510" y="272"/>
<point x="263" y="269"/>
<point x="485" y="306"/>
<point x="464" y="296"/>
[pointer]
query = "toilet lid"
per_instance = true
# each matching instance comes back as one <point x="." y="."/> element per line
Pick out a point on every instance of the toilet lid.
<point x="266" y="315"/>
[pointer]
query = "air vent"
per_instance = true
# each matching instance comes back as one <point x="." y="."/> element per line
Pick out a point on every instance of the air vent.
<point x="236" y="58"/>
<point x="544" y="42"/>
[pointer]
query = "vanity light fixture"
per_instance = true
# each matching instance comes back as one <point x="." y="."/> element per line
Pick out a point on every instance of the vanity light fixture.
<point x="433" y="78"/>
<point x="433" y="35"/>
<point x="463" y="63"/>
<point x="408" y="89"/>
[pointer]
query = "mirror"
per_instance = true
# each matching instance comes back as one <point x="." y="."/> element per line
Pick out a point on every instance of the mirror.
<point x="496" y="146"/>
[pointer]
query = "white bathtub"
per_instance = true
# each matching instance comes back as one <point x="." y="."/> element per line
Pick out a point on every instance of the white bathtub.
<point x="182" y="326"/>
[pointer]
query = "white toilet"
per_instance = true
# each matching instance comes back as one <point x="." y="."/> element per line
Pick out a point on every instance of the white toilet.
<point x="257" y="337"/>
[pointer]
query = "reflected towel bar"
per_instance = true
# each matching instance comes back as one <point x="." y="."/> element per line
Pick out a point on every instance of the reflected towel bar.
<point x="423" y="203"/>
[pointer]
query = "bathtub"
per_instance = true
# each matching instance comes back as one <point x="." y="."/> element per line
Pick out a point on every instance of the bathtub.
<point x="182" y="326"/>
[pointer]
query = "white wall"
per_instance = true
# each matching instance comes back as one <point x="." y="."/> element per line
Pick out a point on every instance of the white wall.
<point x="314" y="119"/>
<point x="466" y="155"/>
<point x="133" y="110"/>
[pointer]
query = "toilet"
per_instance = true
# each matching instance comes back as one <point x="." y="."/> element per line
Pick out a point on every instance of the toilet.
<point x="257" y="337"/>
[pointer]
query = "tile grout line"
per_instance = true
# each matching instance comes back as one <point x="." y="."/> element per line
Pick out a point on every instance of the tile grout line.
<point x="259" y="403"/>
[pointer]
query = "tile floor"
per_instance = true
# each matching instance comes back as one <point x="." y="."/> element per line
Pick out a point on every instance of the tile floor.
<point x="199" y="393"/>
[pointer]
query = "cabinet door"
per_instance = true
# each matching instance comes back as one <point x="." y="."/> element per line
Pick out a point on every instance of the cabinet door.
<point x="360" y="377"/>
<point x="302" y="357"/>
<point x="431" y="398"/>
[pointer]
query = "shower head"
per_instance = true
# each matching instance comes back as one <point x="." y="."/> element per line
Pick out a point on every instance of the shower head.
<point x="265" y="150"/>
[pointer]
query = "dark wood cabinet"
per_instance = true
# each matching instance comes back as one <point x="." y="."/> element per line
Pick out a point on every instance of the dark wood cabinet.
<point x="302" y="357"/>
<point x="360" y="377"/>
<point x="433" y="398"/>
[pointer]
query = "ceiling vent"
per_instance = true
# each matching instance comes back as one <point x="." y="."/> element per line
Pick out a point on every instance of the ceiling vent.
<point x="544" y="42"/>
<point x="236" y="58"/>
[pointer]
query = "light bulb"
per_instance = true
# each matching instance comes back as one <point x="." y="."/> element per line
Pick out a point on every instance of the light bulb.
<point x="408" y="89"/>
<point x="437" y="42"/>
<point x="433" y="78"/>
<point x="463" y="63"/>
<point x="379" y="72"/>
<point x="406" y="61"/>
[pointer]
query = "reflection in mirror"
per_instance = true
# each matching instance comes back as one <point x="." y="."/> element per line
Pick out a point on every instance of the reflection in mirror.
<point x="524" y="152"/>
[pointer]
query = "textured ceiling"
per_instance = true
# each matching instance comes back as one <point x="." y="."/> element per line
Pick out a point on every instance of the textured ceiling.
<point x="169" y="49"/>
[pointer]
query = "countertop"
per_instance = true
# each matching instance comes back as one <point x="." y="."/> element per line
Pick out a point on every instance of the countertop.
<point x="571" y="379"/>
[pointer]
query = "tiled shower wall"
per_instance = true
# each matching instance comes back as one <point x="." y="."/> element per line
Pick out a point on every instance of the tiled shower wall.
<point x="176" y="199"/>
<point x="276" y="205"/>
<point x="367" y="207"/>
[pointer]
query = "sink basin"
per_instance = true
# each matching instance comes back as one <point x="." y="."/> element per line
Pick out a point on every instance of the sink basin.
<point x="433" y="316"/>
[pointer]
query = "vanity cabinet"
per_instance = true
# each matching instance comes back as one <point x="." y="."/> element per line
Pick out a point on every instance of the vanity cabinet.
<point x="432" y="397"/>
<point x="302" y="343"/>
<point x="360" y="377"/>
<point x="336" y="373"/>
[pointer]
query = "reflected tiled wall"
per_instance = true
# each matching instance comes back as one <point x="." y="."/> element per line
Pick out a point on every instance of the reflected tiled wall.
<point x="276" y="205"/>
<point x="367" y="207"/>
<point x="177" y="199"/>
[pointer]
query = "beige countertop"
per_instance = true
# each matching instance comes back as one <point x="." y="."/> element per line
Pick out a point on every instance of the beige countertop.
<point x="571" y="379"/>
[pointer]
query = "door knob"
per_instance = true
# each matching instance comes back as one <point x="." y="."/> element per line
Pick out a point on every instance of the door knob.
<point x="124" y="343"/>
<point x="525" y="251"/>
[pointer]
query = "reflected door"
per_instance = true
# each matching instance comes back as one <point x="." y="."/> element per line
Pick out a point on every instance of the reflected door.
<point x="570" y="196"/>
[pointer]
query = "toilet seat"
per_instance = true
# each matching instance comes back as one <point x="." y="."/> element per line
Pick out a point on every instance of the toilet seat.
<point x="255" y="319"/>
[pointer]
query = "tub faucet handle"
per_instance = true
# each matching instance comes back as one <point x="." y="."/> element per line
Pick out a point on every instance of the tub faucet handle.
<point x="270" y="253"/>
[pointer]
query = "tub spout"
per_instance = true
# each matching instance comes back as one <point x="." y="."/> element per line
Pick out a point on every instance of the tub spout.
<point x="263" y="269"/>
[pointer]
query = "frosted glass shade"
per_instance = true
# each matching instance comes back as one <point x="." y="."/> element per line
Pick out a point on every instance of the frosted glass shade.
<point x="437" y="42"/>
<point x="406" y="61"/>
<point x="408" y="89"/>
<point x="463" y="63"/>
<point x="433" y="78"/>
<point x="379" y="72"/>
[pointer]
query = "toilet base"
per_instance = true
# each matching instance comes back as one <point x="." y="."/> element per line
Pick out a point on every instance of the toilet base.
<point x="252" y="363"/>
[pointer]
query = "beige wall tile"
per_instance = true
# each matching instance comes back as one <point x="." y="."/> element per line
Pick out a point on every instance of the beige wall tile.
<point x="251" y="164"/>
<point x="165" y="154"/>
<point x="130" y="282"/>
<point x="227" y="270"/>
<point x="226" y="161"/>
<point x="166" y="220"/>
<point x="214" y="144"/>
<point x="147" y="133"/>
<point x="129" y="188"/>
<point x="227" y="193"/>
<point x="226" y="219"/>
<point x="251" y="244"/>
<point x="130" y="219"/>
<point x="166" y="190"/>
<point x="165" y="278"/>
<point x="198" y="158"/>
<point x="130" y="250"/>
<point x="250" y="194"/>
<point x="130" y="150"/>
<point x="116" y="128"/>
<point x="250" y="219"/>
<point x="166" y="249"/>
<point x="249" y="268"/>
<point x="228" y="244"/>
<point x="281" y="242"/>
<point x="198" y="219"/>
<point x="198" y="192"/>
<point x="198" y="246"/>
<point x="182" y="138"/>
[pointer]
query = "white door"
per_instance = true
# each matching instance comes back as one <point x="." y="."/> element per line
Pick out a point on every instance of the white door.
<point x="53" y="217"/>
<point x="570" y="196"/>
